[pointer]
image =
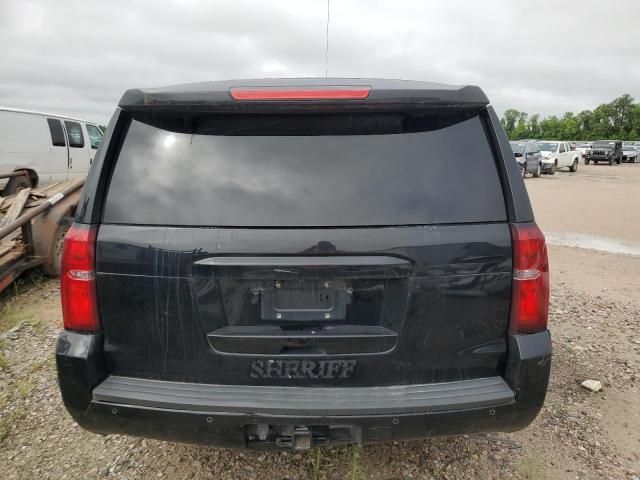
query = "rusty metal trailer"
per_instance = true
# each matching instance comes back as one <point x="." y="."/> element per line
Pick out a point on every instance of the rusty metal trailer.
<point x="32" y="227"/>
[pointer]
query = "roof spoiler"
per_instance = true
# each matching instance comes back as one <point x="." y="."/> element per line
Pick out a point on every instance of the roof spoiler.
<point x="382" y="95"/>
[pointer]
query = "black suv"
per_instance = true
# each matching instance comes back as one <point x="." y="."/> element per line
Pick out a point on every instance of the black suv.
<point x="609" y="151"/>
<point x="299" y="263"/>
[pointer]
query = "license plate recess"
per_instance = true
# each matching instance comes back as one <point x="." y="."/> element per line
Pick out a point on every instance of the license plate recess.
<point x="305" y="300"/>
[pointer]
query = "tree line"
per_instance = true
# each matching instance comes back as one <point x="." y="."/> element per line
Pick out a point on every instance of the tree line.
<point x="619" y="120"/>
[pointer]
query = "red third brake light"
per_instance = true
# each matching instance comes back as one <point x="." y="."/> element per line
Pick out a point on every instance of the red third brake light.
<point x="78" y="279"/>
<point x="530" y="295"/>
<point x="300" y="93"/>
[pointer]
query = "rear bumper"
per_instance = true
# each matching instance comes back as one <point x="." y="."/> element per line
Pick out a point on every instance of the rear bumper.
<point x="229" y="416"/>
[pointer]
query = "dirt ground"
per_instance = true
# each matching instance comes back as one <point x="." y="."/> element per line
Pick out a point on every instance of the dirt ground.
<point x="598" y="206"/>
<point x="594" y="318"/>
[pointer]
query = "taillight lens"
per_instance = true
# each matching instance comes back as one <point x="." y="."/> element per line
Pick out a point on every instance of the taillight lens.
<point x="530" y="295"/>
<point x="78" y="279"/>
<point x="300" y="93"/>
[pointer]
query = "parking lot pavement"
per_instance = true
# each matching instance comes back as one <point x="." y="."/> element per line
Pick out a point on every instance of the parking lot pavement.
<point x="597" y="208"/>
<point x="594" y="319"/>
<point x="597" y="200"/>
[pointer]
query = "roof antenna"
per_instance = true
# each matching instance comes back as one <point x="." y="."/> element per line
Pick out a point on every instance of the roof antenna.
<point x="326" y="51"/>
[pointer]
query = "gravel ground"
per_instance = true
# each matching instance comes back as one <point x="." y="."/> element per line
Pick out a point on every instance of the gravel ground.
<point x="578" y="434"/>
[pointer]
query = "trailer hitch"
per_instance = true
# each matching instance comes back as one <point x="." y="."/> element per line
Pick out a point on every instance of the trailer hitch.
<point x="300" y="437"/>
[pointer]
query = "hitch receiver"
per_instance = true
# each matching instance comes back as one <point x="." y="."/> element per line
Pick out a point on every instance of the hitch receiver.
<point x="300" y="439"/>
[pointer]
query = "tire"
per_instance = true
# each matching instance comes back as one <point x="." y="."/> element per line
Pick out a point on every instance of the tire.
<point x="52" y="267"/>
<point x="586" y="161"/>
<point x="15" y="184"/>
<point x="538" y="171"/>
<point x="611" y="161"/>
<point x="554" y="167"/>
<point x="574" y="166"/>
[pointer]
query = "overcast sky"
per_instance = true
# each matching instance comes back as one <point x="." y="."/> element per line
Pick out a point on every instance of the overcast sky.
<point x="78" y="57"/>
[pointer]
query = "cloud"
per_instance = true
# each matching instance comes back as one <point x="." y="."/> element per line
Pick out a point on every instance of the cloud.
<point x="78" y="57"/>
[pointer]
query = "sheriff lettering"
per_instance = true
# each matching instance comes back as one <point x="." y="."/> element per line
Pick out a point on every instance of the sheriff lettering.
<point x="302" y="368"/>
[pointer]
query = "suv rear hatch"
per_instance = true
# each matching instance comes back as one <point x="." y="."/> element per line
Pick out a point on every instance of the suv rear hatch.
<point x="304" y="242"/>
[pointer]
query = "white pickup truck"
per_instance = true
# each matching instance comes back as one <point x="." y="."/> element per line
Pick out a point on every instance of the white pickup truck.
<point x="557" y="155"/>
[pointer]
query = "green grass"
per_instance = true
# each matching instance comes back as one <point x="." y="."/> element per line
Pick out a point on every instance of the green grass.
<point x="14" y="310"/>
<point x="11" y="317"/>
<point x="4" y="363"/>
<point x="25" y="386"/>
<point x="14" y="315"/>
<point x="33" y="278"/>
<point x="22" y="388"/>
<point x="356" y="472"/>
<point x="20" y="310"/>
<point x="315" y="463"/>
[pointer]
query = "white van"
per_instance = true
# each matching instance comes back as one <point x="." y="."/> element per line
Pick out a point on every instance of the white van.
<point x="51" y="148"/>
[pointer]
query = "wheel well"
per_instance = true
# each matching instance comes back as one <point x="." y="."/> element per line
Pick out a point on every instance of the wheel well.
<point x="33" y="176"/>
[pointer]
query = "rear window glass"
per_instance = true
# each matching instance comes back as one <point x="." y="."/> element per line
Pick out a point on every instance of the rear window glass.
<point x="443" y="175"/>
